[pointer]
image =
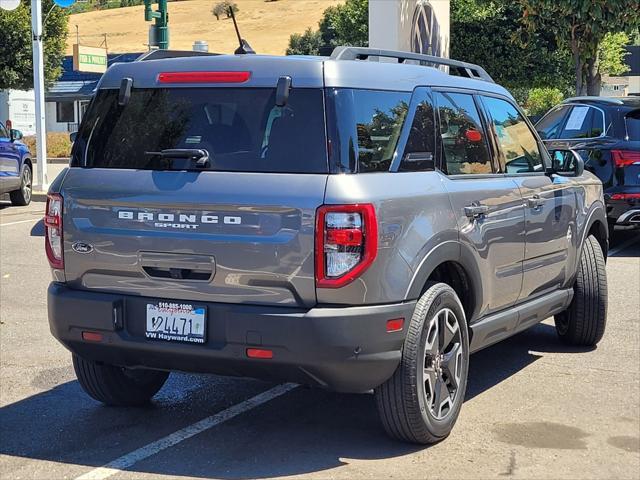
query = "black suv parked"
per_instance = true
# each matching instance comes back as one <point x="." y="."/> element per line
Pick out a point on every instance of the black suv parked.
<point x="606" y="132"/>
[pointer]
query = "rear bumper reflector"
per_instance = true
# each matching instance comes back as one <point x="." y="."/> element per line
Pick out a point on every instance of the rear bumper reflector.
<point x="259" y="353"/>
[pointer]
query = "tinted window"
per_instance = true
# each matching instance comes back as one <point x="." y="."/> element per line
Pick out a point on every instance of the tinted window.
<point x="464" y="143"/>
<point x="633" y="125"/>
<point x="420" y="147"/>
<point x="583" y="122"/>
<point x="518" y="146"/>
<point x="366" y="125"/>
<point x="242" y="130"/>
<point x="549" y="126"/>
<point x="64" y="112"/>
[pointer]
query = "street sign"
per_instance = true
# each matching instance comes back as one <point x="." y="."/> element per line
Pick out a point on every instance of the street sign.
<point x="9" y="4"/>
<point x="64" y="3"/>
<point x="89" y="59"/>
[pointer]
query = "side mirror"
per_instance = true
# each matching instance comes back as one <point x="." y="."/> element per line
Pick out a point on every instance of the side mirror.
<point x="567" y="163"/>
<point x="15" y="134"/>
<point x="72" y="136"/>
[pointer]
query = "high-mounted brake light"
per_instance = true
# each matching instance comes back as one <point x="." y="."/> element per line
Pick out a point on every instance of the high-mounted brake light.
<point x="204" y="77"/>
<point x="346" y="243"/>
<point x="53" y="231"/>
<point x="624" y="158"/>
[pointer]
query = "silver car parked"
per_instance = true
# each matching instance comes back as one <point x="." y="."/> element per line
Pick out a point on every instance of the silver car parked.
<point x="338" y="221"/>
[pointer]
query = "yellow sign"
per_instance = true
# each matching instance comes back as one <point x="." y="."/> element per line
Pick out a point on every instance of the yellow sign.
<point x="89" y="59"/>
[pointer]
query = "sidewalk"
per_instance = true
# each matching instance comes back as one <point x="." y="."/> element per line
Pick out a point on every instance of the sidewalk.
<point x="54" y="167"/>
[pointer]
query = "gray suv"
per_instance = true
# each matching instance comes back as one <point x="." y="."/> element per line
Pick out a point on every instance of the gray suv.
<point x="344" y="222"/>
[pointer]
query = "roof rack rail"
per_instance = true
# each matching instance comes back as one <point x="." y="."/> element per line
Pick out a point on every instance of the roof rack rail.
<point x="463" y="69"/>
<point x="160" y="54"/>
<point x="614" y="101"/>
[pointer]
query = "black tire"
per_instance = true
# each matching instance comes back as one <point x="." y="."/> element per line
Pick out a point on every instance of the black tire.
<point x="116" y="385"/>
<point x="583" y="323"/>
<point x="405" y="402"/>
<point x="22" y="196"/>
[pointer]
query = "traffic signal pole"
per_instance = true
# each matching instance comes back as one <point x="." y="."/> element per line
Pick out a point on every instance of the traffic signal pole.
<point x="161" y="26"/>
<point x="42" y="180"/>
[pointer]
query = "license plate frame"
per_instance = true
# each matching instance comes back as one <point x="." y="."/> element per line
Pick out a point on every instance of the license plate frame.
<point x="176" y="322"/>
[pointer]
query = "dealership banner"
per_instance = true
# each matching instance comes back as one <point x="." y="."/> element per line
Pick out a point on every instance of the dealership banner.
<point x="89" y="59"/>
<point x="420" y="26"/>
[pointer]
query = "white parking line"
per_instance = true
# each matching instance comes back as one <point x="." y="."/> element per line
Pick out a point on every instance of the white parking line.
<point x="20" y="221"/>
<point x="178" y="436"/>
<point x="621" y="247"/>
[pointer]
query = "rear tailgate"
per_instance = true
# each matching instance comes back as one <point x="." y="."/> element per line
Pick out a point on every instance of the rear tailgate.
<point x="198" y="184"/>
<point x="210" y="236"/>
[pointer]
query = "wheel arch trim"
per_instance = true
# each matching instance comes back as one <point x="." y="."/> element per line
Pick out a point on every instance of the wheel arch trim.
<point x="448" y="251"/>
<point x="597" y="214"/>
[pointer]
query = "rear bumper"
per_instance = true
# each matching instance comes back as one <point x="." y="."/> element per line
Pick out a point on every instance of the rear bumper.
<point x="343" y="349"/>
<point x="623" y="212"/>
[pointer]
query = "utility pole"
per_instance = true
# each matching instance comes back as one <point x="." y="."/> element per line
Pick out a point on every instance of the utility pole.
<point x="42" y="180"/>
<point x="161" y="26"/>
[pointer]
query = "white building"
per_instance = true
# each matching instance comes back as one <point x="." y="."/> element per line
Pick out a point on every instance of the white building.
<point x="420" y="26"/>
<point x="67" y="99"/>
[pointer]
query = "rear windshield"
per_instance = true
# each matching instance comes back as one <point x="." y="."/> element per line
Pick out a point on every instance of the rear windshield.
<point x="241" y="129"/>
<point x="633" y="125"/>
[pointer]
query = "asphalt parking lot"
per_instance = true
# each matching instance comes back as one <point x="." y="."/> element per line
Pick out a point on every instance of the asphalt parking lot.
<point x="534" y="407"/>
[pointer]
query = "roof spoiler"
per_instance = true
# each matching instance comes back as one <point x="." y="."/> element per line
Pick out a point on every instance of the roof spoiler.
<point x="614" y="101"/>
<point x="160" y="54"/>
<point x="462" y="69"/>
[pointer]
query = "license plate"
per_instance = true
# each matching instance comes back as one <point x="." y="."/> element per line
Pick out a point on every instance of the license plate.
<point x="175" y="322"/>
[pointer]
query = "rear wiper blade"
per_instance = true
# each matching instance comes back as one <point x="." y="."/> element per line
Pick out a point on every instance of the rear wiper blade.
<point x="200" y="155"/>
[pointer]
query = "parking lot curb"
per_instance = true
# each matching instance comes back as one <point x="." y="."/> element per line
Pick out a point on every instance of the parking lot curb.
<point x="54" y="161"/>
<point x="38" y="196"/>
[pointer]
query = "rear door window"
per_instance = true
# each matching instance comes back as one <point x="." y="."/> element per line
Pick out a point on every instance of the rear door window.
<point x="241" y="129"/>
<point x="549" y="126"/>
<point x="419" y="151"/>
<point x="583" y="122"/>
<point x="464" y="143"/>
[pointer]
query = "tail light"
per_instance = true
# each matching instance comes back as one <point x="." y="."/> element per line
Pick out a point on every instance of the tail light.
<point x="53" y="231"/>
<point x="625" y="196"/>
<point x="624" y="158"/>
<point x="346" y="243"/>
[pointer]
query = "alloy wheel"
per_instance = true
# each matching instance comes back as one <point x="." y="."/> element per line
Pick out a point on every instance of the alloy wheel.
<point x="26" y="185"/>
<point x="443" y="362"/>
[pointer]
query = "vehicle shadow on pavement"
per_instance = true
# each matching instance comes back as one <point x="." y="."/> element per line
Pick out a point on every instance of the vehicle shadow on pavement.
<point x="515" y="354"/>
<point x="304" y="431"/>
<point x="38" y="229"/>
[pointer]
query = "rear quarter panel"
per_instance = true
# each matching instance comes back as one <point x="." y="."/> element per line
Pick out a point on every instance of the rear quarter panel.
<point x="414" y="215"/>
<point x="590" y="208"/>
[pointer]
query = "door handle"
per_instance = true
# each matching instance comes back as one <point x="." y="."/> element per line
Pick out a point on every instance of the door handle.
<point x="476" y="210"/>
<point x="535" y="202"/>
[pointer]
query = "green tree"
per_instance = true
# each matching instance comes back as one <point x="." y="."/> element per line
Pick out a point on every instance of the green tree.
<point x="611" y="53"/>
<point x="16" y="61"/>
<point x="540" y="100"/>
<point x="346" y="24"/>
<point x="581" y="26"/>
<point x="484" y="32"/>
<point x="309" y="43"/>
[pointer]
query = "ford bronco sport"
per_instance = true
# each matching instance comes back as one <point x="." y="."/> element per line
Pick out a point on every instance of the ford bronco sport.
<point x="342" y="221"/>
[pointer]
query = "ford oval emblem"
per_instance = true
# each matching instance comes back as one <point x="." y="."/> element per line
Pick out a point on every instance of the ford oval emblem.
<point x="82" y="247"/>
